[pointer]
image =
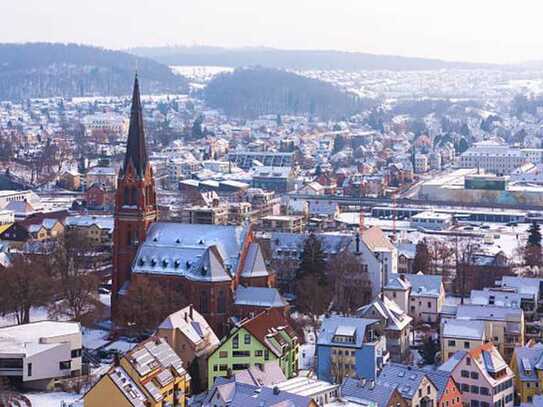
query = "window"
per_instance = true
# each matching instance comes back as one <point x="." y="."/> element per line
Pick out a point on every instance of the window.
<point x="247" y="339"/>
<point x="11" y="364"/>
<point x="204" y="302"/>
<point x="429" y="304"/>
<point x="474" y="375"/>
<point x="452" y="342"/>
<point x="221" y="302"/>
<point x="466" y="345"/>
<point x="420" y="392"/>
<point x="468" y="361"/>
<point x="266" y="354"/>
<point x="223" y="354"/>
<point x="484" y="404"/>
<point x="464" y="387"/>
<point x="474" y="389"/>
<point x="240" y="366"/>
<point x="65" y="365"/>
<point x="464" y="373"/>
<point x="215" y="368"/>
<point x="29" y="370"/>
<point x="484" y="391"/>
<point x="76" y="353"/>
<point x="223" y="368"/>
<point x="428" y="389"/>
<point x="259" y="353"/>
<point x="235" y="342"/>
<point x="474" y="403"/>
<point x="241" y="353"/>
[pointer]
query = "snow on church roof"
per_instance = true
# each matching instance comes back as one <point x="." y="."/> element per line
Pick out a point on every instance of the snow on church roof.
<point x="197" y="252"/>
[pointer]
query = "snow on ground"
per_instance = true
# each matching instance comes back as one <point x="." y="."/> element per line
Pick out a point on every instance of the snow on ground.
<point x="36" y="314"/>
<point x="121" y="346"/>
<point x="55" y="399"/>
<point x="94" y="338"/>
<point x="105" y="299"/>
<point x="305" y="360"/>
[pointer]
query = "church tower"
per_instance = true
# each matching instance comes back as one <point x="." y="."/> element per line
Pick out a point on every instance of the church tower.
<point x="135" y="199"/>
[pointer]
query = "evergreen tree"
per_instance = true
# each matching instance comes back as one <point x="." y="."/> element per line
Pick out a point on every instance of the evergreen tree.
<point x="429" y="350"/>
<point x="313" y="259"/>
<point x="195" y="379"/>
<point x="534" y="237"/>
<point x="532" y="251"/>
<point x="197" y="130"/>
<point x="422" y="261"/>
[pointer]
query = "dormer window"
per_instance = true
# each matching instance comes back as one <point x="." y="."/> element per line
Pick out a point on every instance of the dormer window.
<point x="176" y="263"/>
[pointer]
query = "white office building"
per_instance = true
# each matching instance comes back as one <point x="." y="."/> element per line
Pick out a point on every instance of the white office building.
<point x="38" y="353"/>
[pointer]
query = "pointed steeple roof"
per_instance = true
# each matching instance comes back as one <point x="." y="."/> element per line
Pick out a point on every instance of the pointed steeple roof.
<point x="136" y="151"/>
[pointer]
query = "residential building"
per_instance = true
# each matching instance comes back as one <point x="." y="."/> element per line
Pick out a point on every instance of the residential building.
<point x="396" y="324"/>
<point x="421" y="163"/>
<point x="96" y="230"/>
<point x="277" y="179"/>
<point x="282" y="223"/>
<point x="503" y="326"/>
<point x="414" y="385"/>
<point x="38" y="353"/>
<point x="421" y="296"/>
<point x="498" y="158"/>
<point x="483" y="376"/>
<point x="448" y="392"/>
<point x="266" y="337"/>
<point x="151" y="374"/>
<point x="228" y="392"/>
<point x="527" y="365"/>
<point x="205" y="215"/>
<point x="368" y="393"/>
<point x="460" y="334"/>
<point x="191" y="337"/>
<point x="350" y="347"/>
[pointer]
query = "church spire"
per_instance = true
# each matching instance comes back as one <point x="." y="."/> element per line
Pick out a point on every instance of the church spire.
<point x="136" y="151"/>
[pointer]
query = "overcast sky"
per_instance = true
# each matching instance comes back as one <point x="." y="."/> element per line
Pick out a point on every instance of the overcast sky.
<point x="468" y="30"/>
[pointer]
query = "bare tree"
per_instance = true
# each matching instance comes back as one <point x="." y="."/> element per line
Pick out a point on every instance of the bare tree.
<point x="25" y="284"/>
<point x="146" y="304"/>
<point x="76" y="280"/>
<point x="352" y="286"/>
<point x="313" y="298"/>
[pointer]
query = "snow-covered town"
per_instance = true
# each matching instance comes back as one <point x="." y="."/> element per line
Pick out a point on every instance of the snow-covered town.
<point x="201" y="226"/>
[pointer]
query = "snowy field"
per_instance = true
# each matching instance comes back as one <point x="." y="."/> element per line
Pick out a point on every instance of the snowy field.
<point x="55" y="399"/>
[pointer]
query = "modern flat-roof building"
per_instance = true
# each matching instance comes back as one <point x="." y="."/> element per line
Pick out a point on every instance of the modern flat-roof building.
<point x="40" y="352"/>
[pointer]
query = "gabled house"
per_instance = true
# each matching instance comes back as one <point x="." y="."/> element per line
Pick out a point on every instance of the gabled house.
<point x="414" y="385"/>
<point x="448" y="392"/>
<point x="421" y="296"/>
<point x="368" y="393"/>
<point x="396" y="324"/>
<point x="266" y="337"/>
<point x="150" y="375"/>
<point x="350" y="347"/>
<point x="527" y="365"/>
<point x="483" y="376"/>
<point x="191" y="337"/>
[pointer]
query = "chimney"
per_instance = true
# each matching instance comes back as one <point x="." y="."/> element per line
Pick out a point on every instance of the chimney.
<point x="357" y="240"/>
<point x="190" y="311"/>
<point x="116" y="360"/>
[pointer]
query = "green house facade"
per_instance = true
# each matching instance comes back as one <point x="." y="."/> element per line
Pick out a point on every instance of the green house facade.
<point x="254" y="343"/>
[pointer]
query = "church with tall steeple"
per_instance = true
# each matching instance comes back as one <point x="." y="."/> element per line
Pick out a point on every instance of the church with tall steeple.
<point x="135" y="199"/>
<point x="219" y="269"/>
